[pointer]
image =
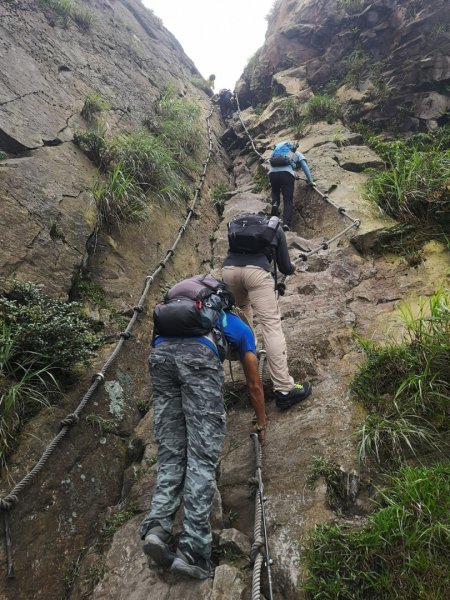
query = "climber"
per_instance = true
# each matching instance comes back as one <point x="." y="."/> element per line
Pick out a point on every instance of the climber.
<point x="226" y="103"/>
<point x="210" y="81"/>
<point x="283" y="161"/>
<point x="191" y="329"/>
<point x="248" y="271"/>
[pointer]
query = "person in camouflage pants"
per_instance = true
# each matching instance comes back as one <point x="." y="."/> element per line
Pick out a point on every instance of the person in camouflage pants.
<point x="189" y="424"/>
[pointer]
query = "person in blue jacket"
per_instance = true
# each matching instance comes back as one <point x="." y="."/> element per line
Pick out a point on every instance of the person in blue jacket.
<point x="282" y="180"/>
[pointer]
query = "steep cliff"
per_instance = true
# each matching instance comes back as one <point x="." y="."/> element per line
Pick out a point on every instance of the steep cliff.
<point x="74" y="529"/>
<point x="387" y="62"/>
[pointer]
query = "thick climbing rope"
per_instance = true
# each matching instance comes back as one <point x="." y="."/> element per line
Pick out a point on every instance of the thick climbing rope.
<point x="11" y="499"/>
<point x="259" y="552"/>
<point x="355" y="223"/>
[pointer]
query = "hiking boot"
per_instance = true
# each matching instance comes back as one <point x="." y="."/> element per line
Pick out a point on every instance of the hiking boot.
<point x="286" y="228"/>
<point x="156" y="546"/>
<point x="299" y="392"/>
<point x="189" y="563"/>
<point x="275" y="211"/>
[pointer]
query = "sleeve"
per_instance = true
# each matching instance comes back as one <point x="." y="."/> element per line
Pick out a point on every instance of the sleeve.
<point x="306" y="171"/>
<point x="239" y="335"/>
<point x="282" y="254"/>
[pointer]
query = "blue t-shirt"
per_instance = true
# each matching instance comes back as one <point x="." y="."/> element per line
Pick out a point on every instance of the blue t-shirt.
<point x="238" y="334"/>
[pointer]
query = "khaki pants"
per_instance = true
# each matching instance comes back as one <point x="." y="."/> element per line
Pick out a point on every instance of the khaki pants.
<point x="253" y="289"/>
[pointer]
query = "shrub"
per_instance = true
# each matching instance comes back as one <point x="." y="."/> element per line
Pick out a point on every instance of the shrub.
<point x="291" y="111"/>
<point x="402" y="551"/>
<point x="67" y="9"/>
<point x="3" y="155"/>
<point x="321" y="108"/>
<point x="219" y="195"/>
<point x="119" y="199"/>
<point x="178" y="128"/>
<point x="415" y="187"/>
<point x="51" y="331"/>
<point x="93" y="104"/>
<point x="201" y="84"/>
<point x="93" y="144"/>
<point x="149" y="163"/>
<point x="24" y="388"/>
<point x="406" y="384"/>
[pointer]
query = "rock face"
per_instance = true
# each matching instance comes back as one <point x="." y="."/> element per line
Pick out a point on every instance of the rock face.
<point x="389" y="61"/>
<point x="48" y="67"/>
<point x="74" y="530"/>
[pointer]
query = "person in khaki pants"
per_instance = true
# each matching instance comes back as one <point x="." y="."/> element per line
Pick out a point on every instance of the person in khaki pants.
<point x="249" y="277"/>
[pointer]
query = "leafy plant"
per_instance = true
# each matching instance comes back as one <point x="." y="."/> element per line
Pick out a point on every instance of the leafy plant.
<point x="321" y="108"/>
<point x="119" y="199"/>
<point x="333" y="477"/>
<point x="51" y="331"/>
<point x="219" y="195"/>
<point x="401" y="552"/>
<point x="103" y="425"/>
<point x="415" y="185"/>
<point x="201" y="84"/>
<point x="94" y="145"/>
<point x="67" y="9"/>
<point x="406" y="384"/>
<point x="93" y="105"/>
<point x="24" y="388"/>
<point x="3" y="155"/>
<point x="115" y="521"/>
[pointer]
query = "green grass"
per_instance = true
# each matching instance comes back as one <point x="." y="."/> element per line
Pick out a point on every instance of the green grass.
<point x="144" y="166"/>
<point x="415" y="185"/>
<point x="119" y="199"/>
<point x="50" y="330"/>
<point x="103" y="425"/>
<point x="219" y="195"/>
<point x="321" y="107"/>
<point x="406" y="385"/>
<point x="24" y="388"/>
<point x="402" y="552"/>
<point x="67" y="10"/>
<point x="94" y="145"/>
<point x="336" y="488"/>
<point x="93" y="105"/>
<point x="115" y="521"/>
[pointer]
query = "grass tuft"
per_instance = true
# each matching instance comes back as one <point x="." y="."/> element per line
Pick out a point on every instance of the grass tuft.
<point x="401" y="552"/>
<point x="406" y="385"/>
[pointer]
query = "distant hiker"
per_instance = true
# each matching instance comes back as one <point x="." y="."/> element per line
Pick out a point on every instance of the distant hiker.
<point x="257" y="247"/>
<point x="210" y="81"/>
<point x="192" y="328"/>
<point x="283" y="161"/>
<point x="226" y="103"/>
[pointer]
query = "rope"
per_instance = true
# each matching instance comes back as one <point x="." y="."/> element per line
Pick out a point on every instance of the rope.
<point x="259" y="552"/>
<point x="11" y="499"/>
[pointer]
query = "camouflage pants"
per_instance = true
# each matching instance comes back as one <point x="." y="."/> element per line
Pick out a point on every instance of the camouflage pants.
<point x="189" y="424"/>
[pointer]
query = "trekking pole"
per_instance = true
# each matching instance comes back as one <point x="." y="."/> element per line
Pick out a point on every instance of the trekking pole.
<point x="262" y="521"/>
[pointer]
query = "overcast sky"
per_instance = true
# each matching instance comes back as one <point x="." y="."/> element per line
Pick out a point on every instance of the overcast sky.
<point x="218" y="35"/>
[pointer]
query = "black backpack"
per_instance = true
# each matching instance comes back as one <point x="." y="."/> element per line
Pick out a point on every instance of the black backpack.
<point x="191" y="308"/>
<point x="253" y="234"/>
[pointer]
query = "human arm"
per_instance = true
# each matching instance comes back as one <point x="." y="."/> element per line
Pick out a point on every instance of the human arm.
<point x="284" y="263"/>
<point x="306" y="171"/>
<point x="256" y="392"/>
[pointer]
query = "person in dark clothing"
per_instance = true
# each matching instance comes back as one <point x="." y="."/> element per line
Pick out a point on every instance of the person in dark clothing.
<point x="282" y="180"/>
<point x="249" y="277"/>
<point x="226" y="103"/>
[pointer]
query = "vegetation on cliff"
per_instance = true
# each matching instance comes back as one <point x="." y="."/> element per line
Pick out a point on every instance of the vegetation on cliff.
<point x="42" y="341"/>
<point x="145" y="165"/>
<point x="402" y="550"/>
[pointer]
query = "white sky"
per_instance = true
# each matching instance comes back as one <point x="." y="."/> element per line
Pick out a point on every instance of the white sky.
<point x="219" y="36"/>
